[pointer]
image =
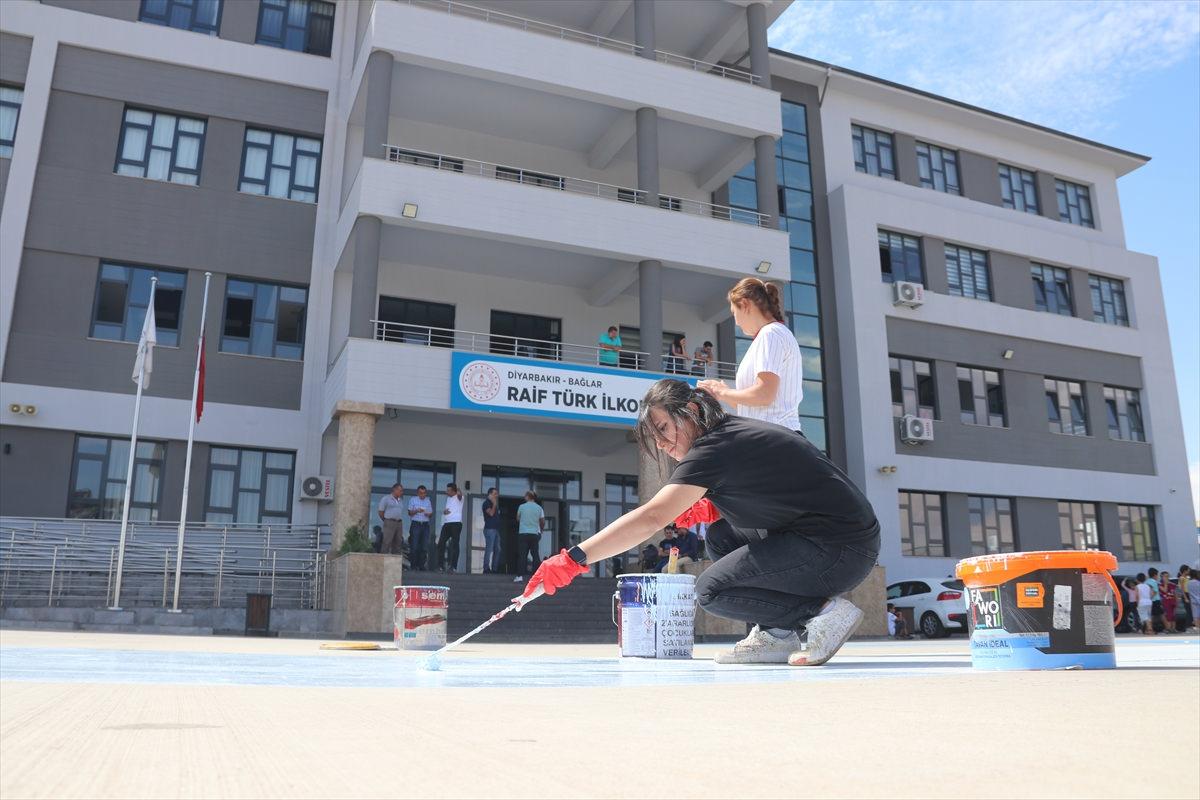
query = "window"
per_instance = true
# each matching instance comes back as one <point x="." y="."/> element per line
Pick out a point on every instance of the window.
<point x="1108" y="300"/>
<point x="249" y="486"/>
<point x="1065" y="407"/>
<point x="873" y="152"/>
<point x="1018" y="189"/>
<point x="435" y="476"/>
<point x="415" y="322"/>
<point x="1139" y="536"/>
<point x="937" y="168"/>
<point x="670" y="203"/>
<point x="1052" y="289"/>
<point x="10" y="112"/>
<point x="527" y="177"/>
<point x="967" y="272"/>
<point x="922" y="527"/>
<point x="548" y="484"/>
<point x="620" y="496"/>
<point x="980" y="397"/>
<point x="1124" y="407"/>
<point x="991" y="525"/>
<point x="202" y="16"/>
<point x="122" y="296"/>
<point x="912" y="388"/>
<point x="98" y="479"/>
<point x="1074" y="203"/>
<point x="419" y="159"/>
<point x="264" y="319"/>
<point x="1078" y="526"/>
<point x="302" y="25"/>
<point x="526" y="335"/>
<point x="281" y="165"/>
<point x="631" y="356"/>
<point x="900" y="257"/>
<point x="162" y="147"/>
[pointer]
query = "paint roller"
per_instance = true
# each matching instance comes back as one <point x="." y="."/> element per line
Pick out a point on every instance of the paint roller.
<point x="434" y="662"/>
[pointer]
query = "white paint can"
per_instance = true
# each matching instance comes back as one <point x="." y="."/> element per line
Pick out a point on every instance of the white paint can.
<point x="419" y="618"/>
<point x="655" y="615"/>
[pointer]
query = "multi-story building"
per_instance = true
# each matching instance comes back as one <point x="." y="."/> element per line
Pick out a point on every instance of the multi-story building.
<point x="419" y="217"/>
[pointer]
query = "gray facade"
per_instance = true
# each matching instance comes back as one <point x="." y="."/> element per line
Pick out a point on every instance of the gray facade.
<point x="239" y="18"/>
<point x="1035" y="525"/>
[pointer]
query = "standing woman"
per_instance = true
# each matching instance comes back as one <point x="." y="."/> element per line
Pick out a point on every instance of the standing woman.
<point x="789" y="544"/>
<point x="769" y="378"/>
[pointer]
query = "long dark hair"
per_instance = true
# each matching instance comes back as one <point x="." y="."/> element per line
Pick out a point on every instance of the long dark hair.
<point x="676" y="399"/>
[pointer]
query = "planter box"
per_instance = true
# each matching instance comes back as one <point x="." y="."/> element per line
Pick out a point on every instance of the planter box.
<point x="360" y="593"/>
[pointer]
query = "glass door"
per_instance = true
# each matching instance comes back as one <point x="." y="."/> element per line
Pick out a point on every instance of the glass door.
<point x="473" y="528"/>
<point x="583" y="520"/>
<point x="549" y="544"/>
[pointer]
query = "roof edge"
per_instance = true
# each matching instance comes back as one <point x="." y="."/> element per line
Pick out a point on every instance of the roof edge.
<point x="959" y="104"/>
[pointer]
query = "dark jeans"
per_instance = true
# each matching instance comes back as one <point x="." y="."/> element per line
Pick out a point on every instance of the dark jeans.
<point x="491" y="549"/>
<point x="447" y="546"/>
<point x="527" y="550"/>
<point x="781" y="579"/>
<point x="418" y="544"/>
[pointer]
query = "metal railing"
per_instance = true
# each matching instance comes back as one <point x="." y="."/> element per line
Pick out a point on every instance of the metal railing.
<point x="522" y="347"/>
<point x="570" y="34"/>
<point x="562" y="183"/>
<point x="72" y="562"/>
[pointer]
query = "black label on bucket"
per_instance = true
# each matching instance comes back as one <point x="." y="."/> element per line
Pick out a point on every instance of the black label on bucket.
<point x="985" y="608"/>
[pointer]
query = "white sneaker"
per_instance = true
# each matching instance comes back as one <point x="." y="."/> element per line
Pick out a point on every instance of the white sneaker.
<point x="760" y="647"/>
<point x="827" y="632"/>
<point x="518" y="579"/>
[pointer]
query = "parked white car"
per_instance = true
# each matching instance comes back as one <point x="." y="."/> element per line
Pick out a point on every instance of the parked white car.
<point x="938" y="605"/>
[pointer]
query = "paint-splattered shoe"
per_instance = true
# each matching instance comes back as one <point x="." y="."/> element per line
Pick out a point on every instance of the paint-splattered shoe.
<point x="760" y="647"/>
<point x="827" y="632"/>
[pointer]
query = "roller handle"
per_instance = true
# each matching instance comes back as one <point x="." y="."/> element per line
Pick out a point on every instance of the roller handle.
<point x="521" y="600"/>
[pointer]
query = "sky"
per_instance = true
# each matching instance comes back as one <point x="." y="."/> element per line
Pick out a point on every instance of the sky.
<point x="1123" y="73"/>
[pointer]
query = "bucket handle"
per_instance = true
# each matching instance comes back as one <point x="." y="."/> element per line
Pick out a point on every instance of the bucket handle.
<point x="1116" y="596"/>
<point x="613" y="607"/>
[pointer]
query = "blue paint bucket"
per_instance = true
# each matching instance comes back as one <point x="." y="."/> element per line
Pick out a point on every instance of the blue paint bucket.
<point x="655" y="615"/>
<point x="1042" y="610"/>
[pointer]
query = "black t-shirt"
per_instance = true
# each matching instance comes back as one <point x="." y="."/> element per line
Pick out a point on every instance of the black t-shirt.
<point x="491" y="522"/>
<point x="760" y="475"/>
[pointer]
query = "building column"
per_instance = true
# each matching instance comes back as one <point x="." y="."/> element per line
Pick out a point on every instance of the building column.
<point x="379" y="103"/>
<point x="760" y="53"/>
<point x="764" y="146"/>
<point x="365" y="287"/>
<point x="355" y="455"/>
<point x="643" y="28"/>
<point x="1081" y="294"/>
<point x="650" y="312"/>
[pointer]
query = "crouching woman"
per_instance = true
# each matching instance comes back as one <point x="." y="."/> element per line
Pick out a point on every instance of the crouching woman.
<point x="794" y="533"/>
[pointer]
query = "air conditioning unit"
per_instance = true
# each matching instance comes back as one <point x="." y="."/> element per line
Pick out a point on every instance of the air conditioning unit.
<point x="317" y="487"/>
<point x="907" y="293"/>
<point x="914" y="429"/>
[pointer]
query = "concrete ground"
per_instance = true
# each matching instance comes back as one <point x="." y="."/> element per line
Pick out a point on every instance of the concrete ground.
<point x="113" y="715"/>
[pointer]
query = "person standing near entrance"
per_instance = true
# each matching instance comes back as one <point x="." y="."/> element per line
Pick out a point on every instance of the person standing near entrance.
<point x="491" y="531"/>
<point x="391" y="510"/>
<point x="769" y="384"/>
<point x="531" y="521"/>
<point x="419" y="512"/>
<point x="610" y="347"/>
<point x="447" y="546"/>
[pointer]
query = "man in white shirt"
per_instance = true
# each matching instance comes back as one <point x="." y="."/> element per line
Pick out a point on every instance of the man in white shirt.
<point x="390" y="510"/>
<point x="447" y="546"/>
<point x="419" y="511"/>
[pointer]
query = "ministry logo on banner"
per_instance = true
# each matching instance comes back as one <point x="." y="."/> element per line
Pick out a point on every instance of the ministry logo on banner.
<point x="546" y="389"/>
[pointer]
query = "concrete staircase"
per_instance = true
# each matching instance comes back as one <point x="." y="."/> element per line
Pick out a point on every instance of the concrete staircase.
<point x="127" y="620"/>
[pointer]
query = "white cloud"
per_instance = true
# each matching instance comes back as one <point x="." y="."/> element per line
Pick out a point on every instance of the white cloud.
<point x="1063" y="64"/>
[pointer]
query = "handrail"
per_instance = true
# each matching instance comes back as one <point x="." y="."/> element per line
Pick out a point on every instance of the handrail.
<point x="522" y="347"/>
<point x="606" y="191"/>
<point x="571" y="34"/>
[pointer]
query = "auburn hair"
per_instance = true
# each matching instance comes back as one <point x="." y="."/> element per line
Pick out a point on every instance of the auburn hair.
<point x="766" y="296"/>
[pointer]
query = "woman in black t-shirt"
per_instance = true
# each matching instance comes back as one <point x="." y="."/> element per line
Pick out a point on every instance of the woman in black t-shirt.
<point x="795" y="533"/>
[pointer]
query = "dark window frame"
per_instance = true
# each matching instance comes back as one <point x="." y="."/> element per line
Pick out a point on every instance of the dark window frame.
<point x="173" y="167"/>
<point x="7" y="145"/>
<point x="1119" y="402"/>
<point x="900" y="242"/>
<point x="626" y="484"/>
<point x="1018" y="189"/>
<point x="1113" y="310"/>
<point x="860" y="140"/>
<point x="978" y="264"/>
<point x="1138" y="545"/>
<point x="897" y="367"/>
<point x="1052" y="289"/>
<point x="265" y="471"/>
<point x="275" y="343"/>
<point x="1061" y="402"/>
<point x="937" y="168"/>
<point x="265" y="181"/>
<point x="933" y="548"/>
<point x="411" y="332"/>
<point x="214" y="29"/>
<point x="284" y="7"/>
<point x="1079" y="525"/>
<point x="157" y="272"/>
<point x="992" y="519"/>
<point x="510" y="344"/>
<point x="992" y="396"/>
<point x="1074" y="203"/>
<point x="105" y="465"/>
<point x="528" y="177"/>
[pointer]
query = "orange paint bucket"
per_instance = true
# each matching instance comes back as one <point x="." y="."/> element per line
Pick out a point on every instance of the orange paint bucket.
<point x="1042" y="610"/>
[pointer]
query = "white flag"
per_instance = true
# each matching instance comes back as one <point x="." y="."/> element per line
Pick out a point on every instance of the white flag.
<point x="145" y="353"/>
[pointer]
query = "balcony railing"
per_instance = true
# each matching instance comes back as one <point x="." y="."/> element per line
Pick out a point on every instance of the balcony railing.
<point x="72" y="562"/>
<point x="502" y="172"/>
<point x="572" y="35"/>
<point x="522" y="347"/>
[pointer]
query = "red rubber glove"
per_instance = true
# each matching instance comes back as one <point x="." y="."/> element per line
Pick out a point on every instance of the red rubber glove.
<point x="554" y="573"/>
<point x="701" y="511"/>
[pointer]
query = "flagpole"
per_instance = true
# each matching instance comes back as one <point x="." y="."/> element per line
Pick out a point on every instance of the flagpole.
<point x="137" y="411"/>
<point x="187" y="465"/>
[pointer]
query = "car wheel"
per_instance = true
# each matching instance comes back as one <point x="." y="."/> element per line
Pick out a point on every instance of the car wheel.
<point x="931" y="626"/>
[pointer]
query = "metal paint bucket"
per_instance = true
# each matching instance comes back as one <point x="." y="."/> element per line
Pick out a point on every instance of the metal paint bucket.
<point x="419" y="618"/>
<point x="655" y="615"/>
<point x="1043" y="610"/>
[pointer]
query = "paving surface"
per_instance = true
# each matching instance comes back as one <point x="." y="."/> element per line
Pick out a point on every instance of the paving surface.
<point x="111" y="715"/>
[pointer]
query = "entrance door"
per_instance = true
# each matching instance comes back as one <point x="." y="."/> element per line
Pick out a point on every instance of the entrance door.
<point x="550" y="543"/>
<point x="508" y="533"/>
<point x="473" y="525"/>
<point x="582" y="521"/>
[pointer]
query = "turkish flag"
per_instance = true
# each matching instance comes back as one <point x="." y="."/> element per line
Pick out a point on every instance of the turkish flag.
<point x="200" y="384"/>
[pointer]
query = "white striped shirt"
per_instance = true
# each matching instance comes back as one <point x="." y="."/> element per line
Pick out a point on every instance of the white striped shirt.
<point x="774" y="350"/>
